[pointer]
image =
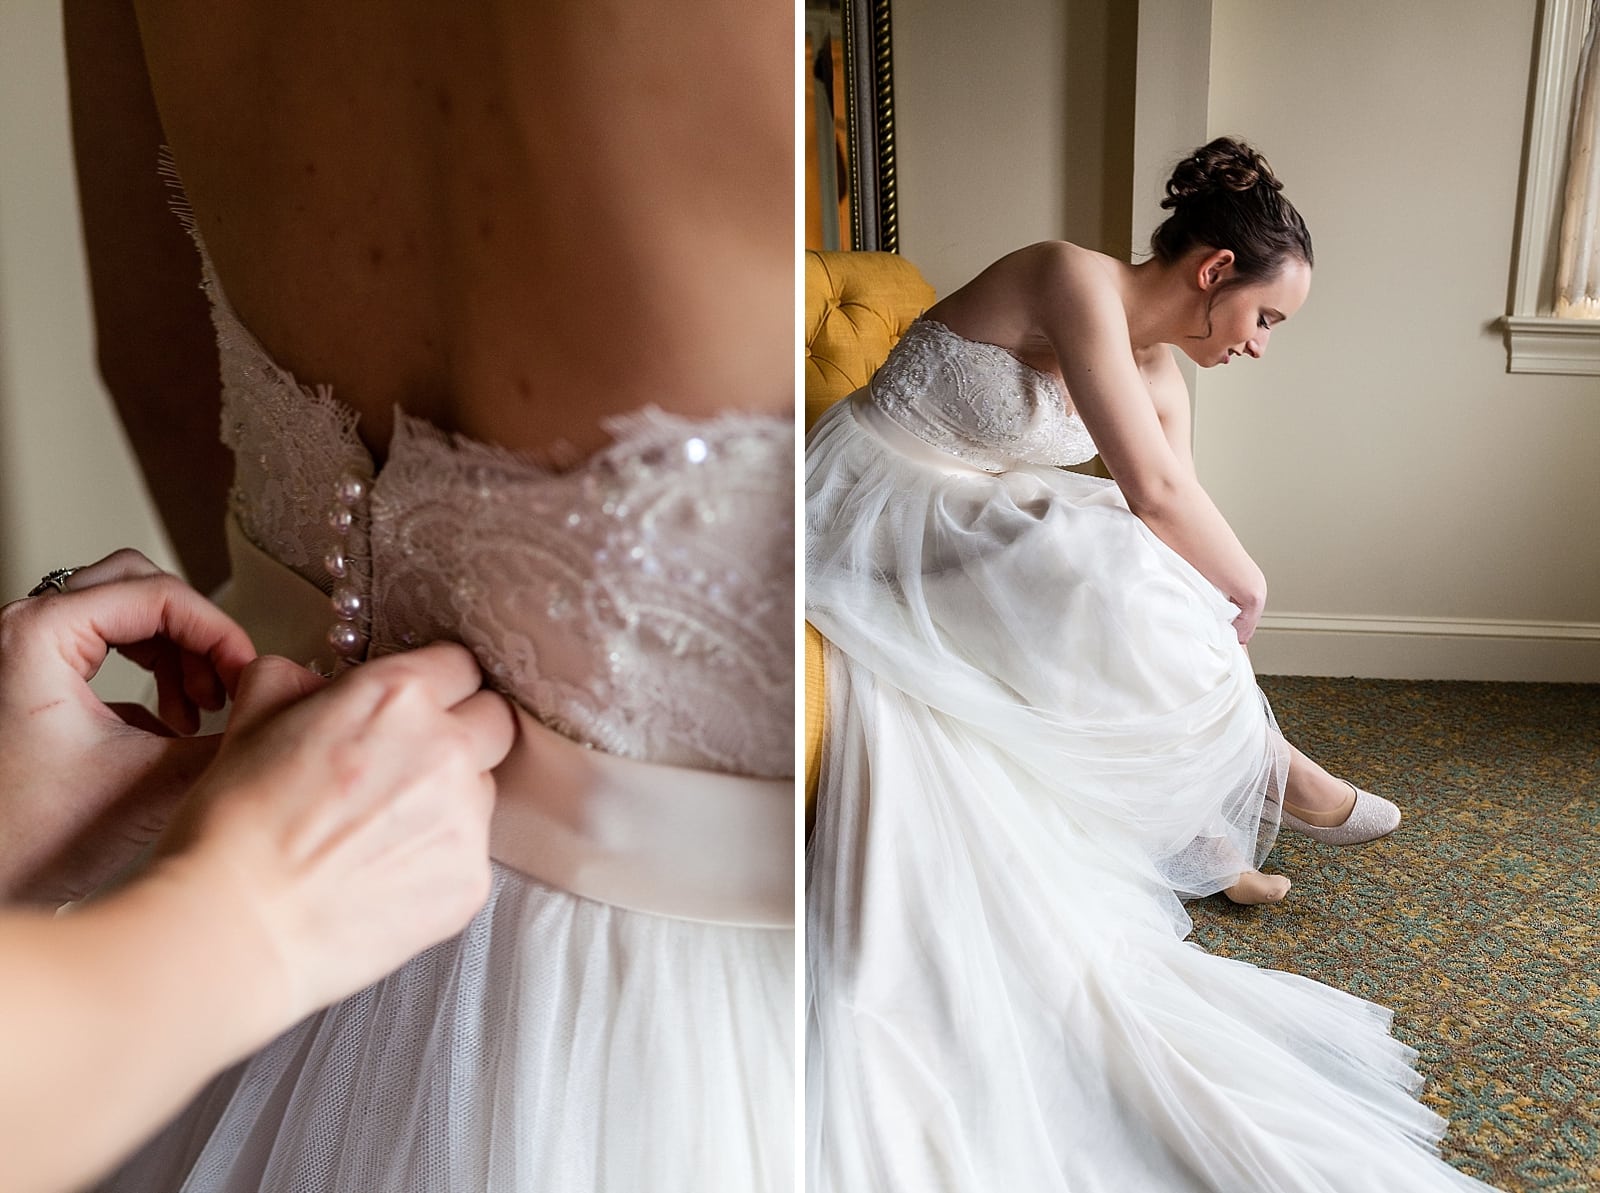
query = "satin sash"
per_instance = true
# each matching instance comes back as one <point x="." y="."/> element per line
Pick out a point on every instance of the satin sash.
<point x="668" y="840"/>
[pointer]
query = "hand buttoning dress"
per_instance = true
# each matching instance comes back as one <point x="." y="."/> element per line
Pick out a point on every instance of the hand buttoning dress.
<point x="1041" y="731"/>
<point x="637" y="1035"/>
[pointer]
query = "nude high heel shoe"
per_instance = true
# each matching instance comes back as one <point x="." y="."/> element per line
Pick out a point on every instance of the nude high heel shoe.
<point x="1367" y="818"/>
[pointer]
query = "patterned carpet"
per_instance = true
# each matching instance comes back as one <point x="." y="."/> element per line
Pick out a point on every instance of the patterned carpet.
<point x="1476" y="922"/>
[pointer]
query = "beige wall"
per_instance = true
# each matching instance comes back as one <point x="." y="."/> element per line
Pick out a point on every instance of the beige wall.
<point x="1013" y="123"/>
<point x="69" y="492"/>
<point x="1418" y="511"/>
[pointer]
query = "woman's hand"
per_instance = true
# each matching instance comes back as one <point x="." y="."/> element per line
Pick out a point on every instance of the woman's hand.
<point x="342" y="828"/>
<point x="346" y="826"/>
<point x="1252" y="602"/>
<point x="83" y="785"/>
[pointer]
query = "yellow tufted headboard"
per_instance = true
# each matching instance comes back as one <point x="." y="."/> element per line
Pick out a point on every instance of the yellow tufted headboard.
<point x="858" y="305"/>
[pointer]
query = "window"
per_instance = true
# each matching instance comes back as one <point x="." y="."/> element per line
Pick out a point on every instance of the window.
<point x="1536" y="341"/>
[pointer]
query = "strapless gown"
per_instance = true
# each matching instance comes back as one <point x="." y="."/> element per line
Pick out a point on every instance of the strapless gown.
<point x="1042" y="734"/>
<point x="640" y="603"/>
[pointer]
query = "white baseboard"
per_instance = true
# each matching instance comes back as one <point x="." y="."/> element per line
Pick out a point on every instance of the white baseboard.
<point x="1427" y="648"/>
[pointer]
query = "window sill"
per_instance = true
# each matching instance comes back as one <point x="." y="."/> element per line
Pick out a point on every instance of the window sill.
<point x="1541" y="344"/>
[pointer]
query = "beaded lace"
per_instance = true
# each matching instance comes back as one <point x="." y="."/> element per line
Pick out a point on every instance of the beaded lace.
<point x="977" y="402"/>
<point x="642" y="602"/>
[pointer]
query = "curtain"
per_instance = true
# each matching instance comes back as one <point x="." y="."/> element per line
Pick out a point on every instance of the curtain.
<point x="1578" y="275"/>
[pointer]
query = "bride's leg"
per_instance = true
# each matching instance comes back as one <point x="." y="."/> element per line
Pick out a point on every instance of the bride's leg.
<point x="1315" y="796"/>
<point x="1310" y="789"/>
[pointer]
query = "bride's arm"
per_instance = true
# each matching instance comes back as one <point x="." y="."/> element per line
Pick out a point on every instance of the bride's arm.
<point x="153" y="341"/>
<point x="1086" y="326"/>
<point x="1171" y="398"/>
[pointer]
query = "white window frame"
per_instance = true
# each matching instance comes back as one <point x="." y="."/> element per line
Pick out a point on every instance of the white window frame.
<point x="1536" y="341"/>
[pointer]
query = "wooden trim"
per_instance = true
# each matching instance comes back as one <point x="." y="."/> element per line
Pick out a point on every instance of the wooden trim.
<point x="1544" y="170"/>
<point x="869" y="116"/>
<point x="1427" y="648"/>
<point x="1490" y="627"/>
<point x="1543" y="344"/>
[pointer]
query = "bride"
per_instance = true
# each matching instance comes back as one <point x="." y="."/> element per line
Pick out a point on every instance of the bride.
<point x="1044" y="732"/>
<point x="502" y="296"/>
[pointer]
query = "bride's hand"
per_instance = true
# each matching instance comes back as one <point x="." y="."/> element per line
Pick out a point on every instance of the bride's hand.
<point x="83" y="785"/>
<point x="348" y="830"/>
<point x="1252" y="604"/>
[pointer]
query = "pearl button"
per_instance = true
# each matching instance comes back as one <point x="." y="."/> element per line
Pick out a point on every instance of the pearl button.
<point x="347" y="602"/>
<point x="350" y="489"/>
<point x="345" y="639"/>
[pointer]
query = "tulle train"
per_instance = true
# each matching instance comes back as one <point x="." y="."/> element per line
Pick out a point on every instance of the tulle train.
<point x="558" y="1043"/>
<point x="1041" y="730"/>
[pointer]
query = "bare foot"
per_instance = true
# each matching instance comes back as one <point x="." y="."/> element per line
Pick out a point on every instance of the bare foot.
<point x="1253" y="887"/>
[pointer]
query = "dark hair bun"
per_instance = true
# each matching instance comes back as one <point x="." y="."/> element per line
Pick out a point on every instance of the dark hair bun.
<point x="1225" y="196"/>
<point x="1224" y="165"/>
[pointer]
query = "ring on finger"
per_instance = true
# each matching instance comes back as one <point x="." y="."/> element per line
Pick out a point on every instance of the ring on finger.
<point x="56" y="580"/>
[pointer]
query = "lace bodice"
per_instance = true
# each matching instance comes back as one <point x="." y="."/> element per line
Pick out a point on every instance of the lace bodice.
<point x="977" y="402"/>
<point x="642" y="603"/>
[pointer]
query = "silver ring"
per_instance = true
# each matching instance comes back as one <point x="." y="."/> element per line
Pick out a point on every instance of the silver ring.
<point x="56" y="580"/>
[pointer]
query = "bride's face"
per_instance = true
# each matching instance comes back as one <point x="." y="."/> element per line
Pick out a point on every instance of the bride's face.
<point x="1243" y="316"/>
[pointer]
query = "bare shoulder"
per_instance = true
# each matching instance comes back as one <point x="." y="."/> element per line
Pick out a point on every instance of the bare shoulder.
<point x="1074" y="300"/>
<point x="1070" y="265"/>
<point x="1022" y="298"/>
<point x="1051" y="264"/>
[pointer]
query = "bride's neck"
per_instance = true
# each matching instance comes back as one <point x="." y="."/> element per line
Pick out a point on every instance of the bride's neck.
<point x="1161" y="309"/>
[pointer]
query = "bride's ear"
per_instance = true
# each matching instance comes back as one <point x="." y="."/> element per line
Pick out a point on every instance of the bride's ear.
<point x="1215" y="267"/>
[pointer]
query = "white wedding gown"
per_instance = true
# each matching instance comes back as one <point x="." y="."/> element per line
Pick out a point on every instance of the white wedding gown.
<point x="1041" y="730"/>
<point x="641" y="603"/>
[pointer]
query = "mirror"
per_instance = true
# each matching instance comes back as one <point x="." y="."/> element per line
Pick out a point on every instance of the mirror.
<point x="849" y="110"/>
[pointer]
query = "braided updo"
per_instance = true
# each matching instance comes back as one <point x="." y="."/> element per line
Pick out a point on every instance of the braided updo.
<point x="1225" y="196"/>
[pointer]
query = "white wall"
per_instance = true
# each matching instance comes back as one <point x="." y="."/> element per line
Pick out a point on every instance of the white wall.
<point x="1417" y="510"/>
<point x="69" y="491"/>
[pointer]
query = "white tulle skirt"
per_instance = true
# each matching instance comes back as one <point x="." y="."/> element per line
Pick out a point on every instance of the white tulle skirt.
<point x="557" y="1044"/>
<point x="1041" y="731"/>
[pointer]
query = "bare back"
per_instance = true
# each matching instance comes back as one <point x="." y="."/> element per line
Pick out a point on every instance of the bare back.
<point x="511" y="219"/>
